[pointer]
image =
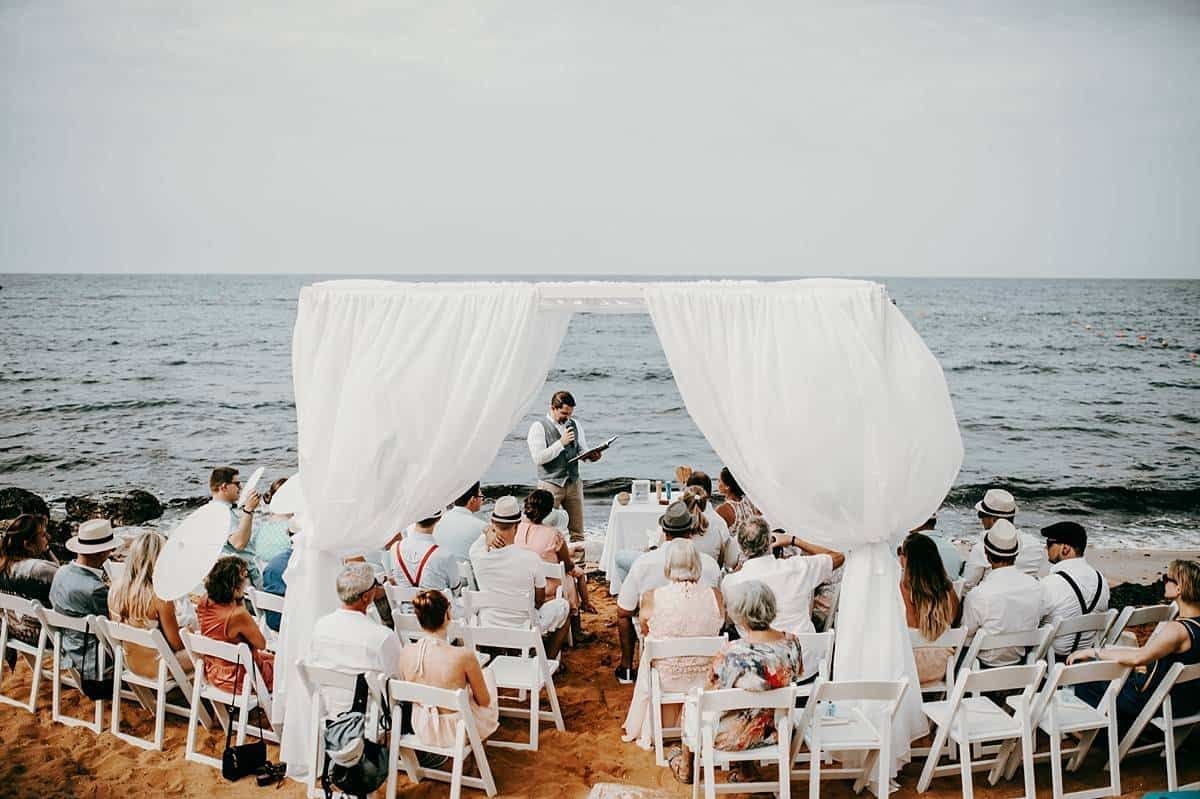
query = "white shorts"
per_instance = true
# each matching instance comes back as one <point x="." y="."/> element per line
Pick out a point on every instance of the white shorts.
<point x="553" y="614"/>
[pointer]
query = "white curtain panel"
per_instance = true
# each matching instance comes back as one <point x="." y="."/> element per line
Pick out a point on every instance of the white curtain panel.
<point x="404" y="394"/>
<point x="835" y="418"/>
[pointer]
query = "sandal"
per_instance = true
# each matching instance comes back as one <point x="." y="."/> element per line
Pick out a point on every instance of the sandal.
<point x="744" y="774"/>
<point x="681" y="767"/>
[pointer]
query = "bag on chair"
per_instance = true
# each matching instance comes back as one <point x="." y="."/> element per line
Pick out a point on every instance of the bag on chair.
<point x="354" y="764"/>
<point x="239" y="761"/>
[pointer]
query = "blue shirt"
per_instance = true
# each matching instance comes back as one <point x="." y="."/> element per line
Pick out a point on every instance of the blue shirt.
<point x="247" y="554"/>
<point x="79" y="591"/>
<point x="273" y="582"/>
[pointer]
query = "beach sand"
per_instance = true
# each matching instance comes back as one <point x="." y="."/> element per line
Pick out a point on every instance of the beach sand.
<point x="43" y="759"/>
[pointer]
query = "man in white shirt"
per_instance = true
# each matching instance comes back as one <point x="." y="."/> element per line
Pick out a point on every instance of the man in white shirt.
<point x="418" y="562"/>
<point x="349" y="640"/>
<point x="459" y="527"/>
<point x="555" y="440"/>
<point x="1007" y="600"/>
<point x="646" y="574"/>
<point x="998" y="504"/>
<point x="505" y="568"/>
<point x="1073" y="587"/>
<point x="792" y="580"/>
<point x="225" y="487"/>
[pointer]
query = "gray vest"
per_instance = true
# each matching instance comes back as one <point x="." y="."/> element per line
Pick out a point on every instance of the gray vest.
<point x="559" y="471"/>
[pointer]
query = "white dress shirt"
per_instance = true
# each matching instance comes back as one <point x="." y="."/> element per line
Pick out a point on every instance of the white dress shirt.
<point x="514" y="570"/>
<point x="646" y="574"/>
<point x="1031" y="559"/>
<point x="457" y="530"/>
<point x="792" y="580"/>
<point x="536" y="439"/>
<point x="351" y="642"/>
<point x="1007" y="601"/>
<point x="1059" y="601"/>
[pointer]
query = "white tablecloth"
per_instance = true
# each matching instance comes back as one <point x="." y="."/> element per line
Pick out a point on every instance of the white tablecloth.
<point x="629" y="527"/>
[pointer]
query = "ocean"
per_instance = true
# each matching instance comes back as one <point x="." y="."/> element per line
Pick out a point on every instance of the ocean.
<point x="1080" y="396"/>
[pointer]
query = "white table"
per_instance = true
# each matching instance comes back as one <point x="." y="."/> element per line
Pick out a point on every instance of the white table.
<point x="629" y="527"/>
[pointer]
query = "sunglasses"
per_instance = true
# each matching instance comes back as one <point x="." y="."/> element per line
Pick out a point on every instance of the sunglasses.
<point x="1169" y="579"/>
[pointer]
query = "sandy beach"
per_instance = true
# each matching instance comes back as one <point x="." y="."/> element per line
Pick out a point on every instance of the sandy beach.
<point x="50" y="760"/>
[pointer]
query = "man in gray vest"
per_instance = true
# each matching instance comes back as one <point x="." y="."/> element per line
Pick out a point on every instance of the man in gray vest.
<point x="555" y="441"/>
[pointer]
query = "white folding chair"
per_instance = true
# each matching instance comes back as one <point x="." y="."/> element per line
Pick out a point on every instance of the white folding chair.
<point x="817" y="648"/>
<point x="467" y="575"/>
<point x="966" y="720"/>
<point x="1058" y="712"/>
<point x="318" y="682"/>
<point x="34" y="654"/>
<point x="115" y="569"/>
<point x="466" y="740"/>
<point x="151" y="691"/>
<point x="656" y="649"/>
<point x="1161" y="700"/>
<point x="700" y="733"/>
<point x="1137" y="617"/>
<point x="61" y="674"/>
<point x="250" y="694"/>
<point x="400" y="597"/>
<point x="557" y="571"/>
<point x="409" y="629"/>
<point x="261" y="602"/>
<point x="1034" y="642"/>
<point x="530" y="671"/>
<point x="834" y="719"/>
<point x="1079" y="632"/>
<point x="953" y="638"/>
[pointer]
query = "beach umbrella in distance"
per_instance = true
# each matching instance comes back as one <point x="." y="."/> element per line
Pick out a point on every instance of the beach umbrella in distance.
<point x="290" y="496"/>
<point x="191" y="551"/>
<point x="249" y="486"/>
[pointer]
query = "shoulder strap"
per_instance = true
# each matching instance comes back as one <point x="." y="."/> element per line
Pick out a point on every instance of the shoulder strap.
<point x="421" y="566"/>
<point x="1084" y="608"/>
<point x="360" y="695"/>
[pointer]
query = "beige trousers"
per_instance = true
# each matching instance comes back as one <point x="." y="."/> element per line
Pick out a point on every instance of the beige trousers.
<point x="570" y="499"/>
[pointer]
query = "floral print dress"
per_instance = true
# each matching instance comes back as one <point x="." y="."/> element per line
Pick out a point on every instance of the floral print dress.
<point x="753" y="667"/>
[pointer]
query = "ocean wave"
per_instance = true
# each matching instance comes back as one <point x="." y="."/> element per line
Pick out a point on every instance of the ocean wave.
<point x="1184" y="417"/>
<point x="25" y="462"/>
<point x="1084" y="499"/>
<point x="116" y="405"/>
<point x="1172" y="384"/>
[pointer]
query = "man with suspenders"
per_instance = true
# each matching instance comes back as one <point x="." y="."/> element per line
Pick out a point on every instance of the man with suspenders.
<point x="418" y="562"/>
<point x="1073" y="587"/>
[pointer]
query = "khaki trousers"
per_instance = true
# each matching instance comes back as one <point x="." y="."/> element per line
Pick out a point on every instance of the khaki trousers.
<point x="570" y="499"/>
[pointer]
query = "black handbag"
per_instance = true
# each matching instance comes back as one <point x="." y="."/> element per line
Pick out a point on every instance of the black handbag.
<point x="97" y="689"/>
<point x="245" y="759"/>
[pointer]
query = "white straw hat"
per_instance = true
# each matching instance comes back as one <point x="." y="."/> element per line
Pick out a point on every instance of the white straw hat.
<point x="997" y="502"/>
<point x="1001" y="541"/>
<point x="95" y="535"/>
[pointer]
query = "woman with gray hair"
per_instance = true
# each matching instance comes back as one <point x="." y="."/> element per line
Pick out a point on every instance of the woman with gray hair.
<point x="683" y="608"/>
<point x="763" y="659"/>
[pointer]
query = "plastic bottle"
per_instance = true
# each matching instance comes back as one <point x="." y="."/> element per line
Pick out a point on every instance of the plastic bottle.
<point x="667" y="485"/>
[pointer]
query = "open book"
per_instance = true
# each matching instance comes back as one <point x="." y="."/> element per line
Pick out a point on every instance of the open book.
<point x="594" y="450"/>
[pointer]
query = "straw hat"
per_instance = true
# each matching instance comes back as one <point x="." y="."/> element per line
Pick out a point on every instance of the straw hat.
<point x="997" y="502"/>
<point x="507" y="511"/>
<point x="95" y="535"/>
<point x="1001" y="541"/>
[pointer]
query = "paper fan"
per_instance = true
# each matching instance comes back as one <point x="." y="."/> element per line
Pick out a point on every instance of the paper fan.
<point x="249" y="486"/>
<point x="290" y="496"/>
<point x="191" y="551"/>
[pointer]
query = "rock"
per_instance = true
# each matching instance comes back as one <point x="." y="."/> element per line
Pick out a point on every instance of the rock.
<point x="15" y="501"/>
<point x="1136" y="595"/>
<point x="136" y="507"/>
<point x="187" y="503"/>
<point x="80" y="509"/>
<point x="60" y="531"/>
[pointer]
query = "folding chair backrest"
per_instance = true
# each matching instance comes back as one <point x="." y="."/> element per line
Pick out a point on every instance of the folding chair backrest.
<point x="398" y="595"/>
<point x="1097" y="623"/>
<point x="1003" y="678"/>
<point x="115" y="569"/>
<point x="1136" y="617"/>
<point x="1035" y="643"/>
<point x="554" y="571"/>
<point x="952" y="638"/>
<point x="262" y="601"/>
<point x="19" y="606"/>
<point x="201" y="647"/>
<point x="859" y="690"/>
<point x="118" y="633"/>
<point x="1063" y="675"/>
<point x="706" y="646"/>
<point x="467" y="575"/>
<point x="725" y="699"/>
<point x="429" y="696"/>
<point x="60" y="621"/>
<point x="506" y="637"/>
<point x="476" y="601"/>
<point x="820" y="646"/>
<point x="410" y="629"/>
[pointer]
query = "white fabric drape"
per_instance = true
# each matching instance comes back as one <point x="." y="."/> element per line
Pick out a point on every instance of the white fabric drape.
<point x="404" y="394"/>
<point x="836" y="420"/>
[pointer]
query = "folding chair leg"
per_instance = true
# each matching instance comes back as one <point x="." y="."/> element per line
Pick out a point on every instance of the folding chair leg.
<point x="552" y="695"/>
<point x="1169" y="751"/>
<point x="964" y="765"/>
<point x="1056" y="778"/>
<point x="535" y="718"/>
<point x="459" y="756"/>
<point x="814" y="770"/>
<point x="710" y="766"/>
<point x="1085" y="744"/>
<point x="1027" y="761"/>
<point x="1114" y="758"/>
<point x="931" y="762"/>
<point x="160" y="716"/>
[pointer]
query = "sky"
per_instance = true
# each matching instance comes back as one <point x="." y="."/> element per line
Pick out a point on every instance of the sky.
<point x="582" y="138"/>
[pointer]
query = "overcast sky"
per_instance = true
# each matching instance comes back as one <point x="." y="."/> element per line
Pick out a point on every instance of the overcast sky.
<point x="566" y="137"/>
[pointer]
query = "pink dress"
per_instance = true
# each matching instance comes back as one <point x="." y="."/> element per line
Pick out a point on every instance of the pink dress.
<point x="436" y="727"/>
<point x="545" y="541"/>
<point x="681" y="610"/>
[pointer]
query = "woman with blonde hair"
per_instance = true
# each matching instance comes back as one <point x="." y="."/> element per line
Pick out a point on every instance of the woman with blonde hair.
<point x="683" y="608"/>
<point x="132" y="601"/>
<point x="931" y="605"/>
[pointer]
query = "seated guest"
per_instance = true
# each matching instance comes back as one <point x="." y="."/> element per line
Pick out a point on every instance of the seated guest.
<point x="560" y="520"/>
<point x="999" y="505"/>
<point x="459" y="527"/>
<point x="792" y="580"/>
<point x="25" y="570"/>
<point x="502" y="567"/>
<point x="434" y="661"/>
<point x="736" y="508"/>
<point x="1007" y="601"/>
<point x="549" y="544"/>
<point x="930" y="603"/>
<point x="226" y="487"/>
<point x="649" y="572"/>
<point x="718" y="528"/>
<point x="349" y="640"/>
<point x="273" y="582"/>
<point x="223" y="617"/>
<point x="79" y="590"/>
<point x="762" y="659"/>
<point x="708" y="536"/>
<point x="1172" y="642"/>
<point x="132" y="601"/>
<point x="1073" y="587"/>
<point x="952" y="559"/>
<point x="272" y="533"/>
<point x="683" y="608"/>
<point x="418" y="562"/>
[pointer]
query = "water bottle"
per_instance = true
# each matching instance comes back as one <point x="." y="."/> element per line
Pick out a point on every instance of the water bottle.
<point x="830" y="710"/>
<point x="667" y="486"/>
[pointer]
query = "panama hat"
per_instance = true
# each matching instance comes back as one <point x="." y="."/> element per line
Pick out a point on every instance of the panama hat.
<point x="677" y="519"/>
<point x="1001" y="541"/>
<point x="997" y="502"/>
<point x="95" y="535"/>
<point x="506" y="511"/>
